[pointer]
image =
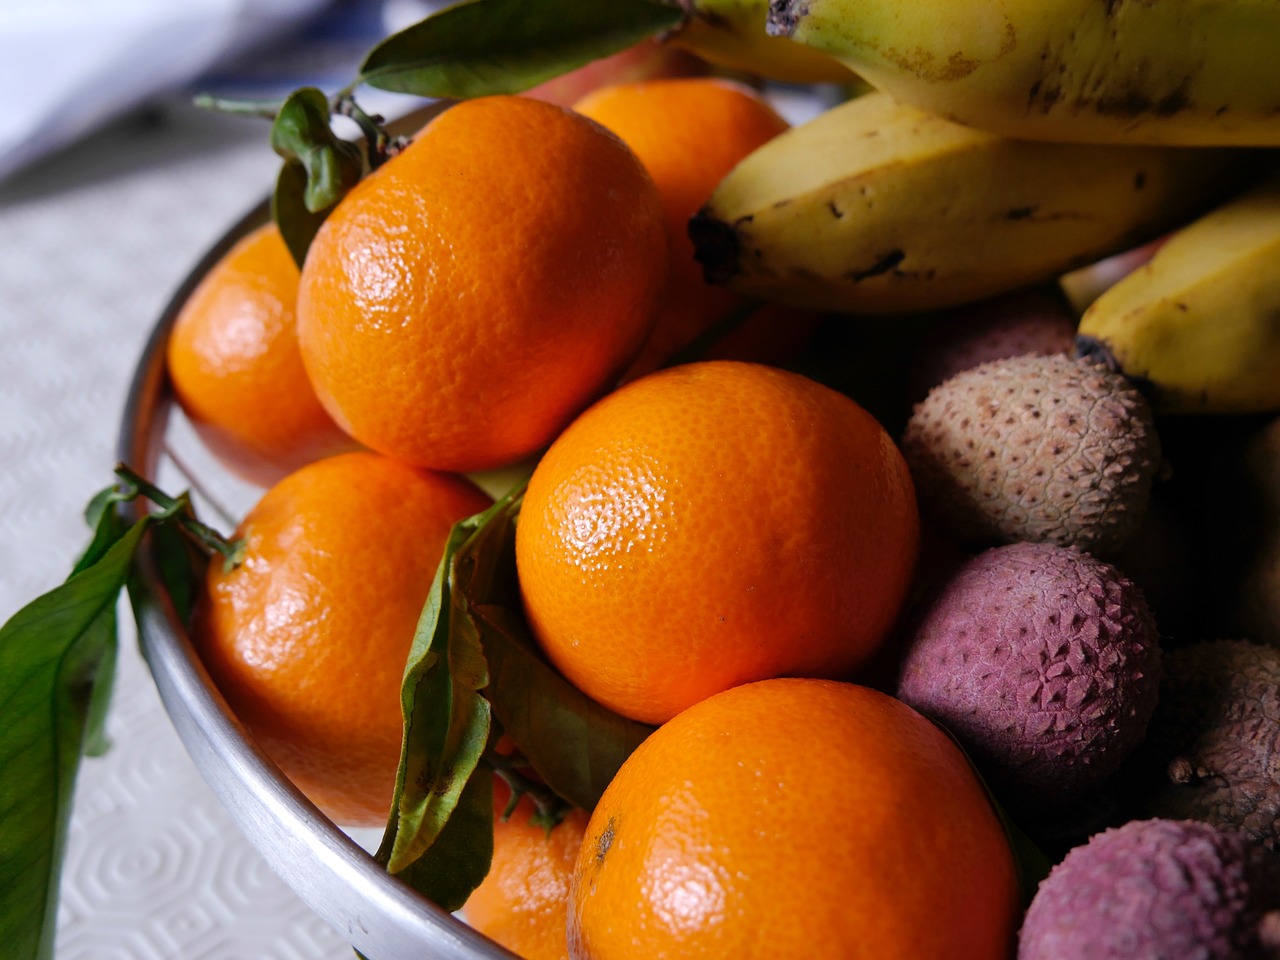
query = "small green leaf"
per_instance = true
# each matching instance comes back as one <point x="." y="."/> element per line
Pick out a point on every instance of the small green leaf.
<point x="51" y="656"/>
<point x="302" y="124"/>
<point x="302" y="134"/>
<point x="297" y="224"/>
<point x="331" y="171"/>
<point x="505" y="46"/>
<point x="319" y="168"/>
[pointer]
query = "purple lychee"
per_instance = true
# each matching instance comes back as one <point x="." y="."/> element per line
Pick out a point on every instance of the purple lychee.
<point x="1176" y="889"/>
<point x="1044" y="662"/>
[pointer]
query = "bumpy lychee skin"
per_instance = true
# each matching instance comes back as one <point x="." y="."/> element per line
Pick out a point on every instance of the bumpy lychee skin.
<point x="1213" y="749"/>
<point x="1045" y="663"/>
<point x="1040" y="448"/>
<point x="1019" y="324"/>
<point x="1158" y="888"/>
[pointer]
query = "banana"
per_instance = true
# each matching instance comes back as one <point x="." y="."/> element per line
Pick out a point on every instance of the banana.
<point x="1189" y="72"/>
<point x="1199" y="323"/>
<point x="875" y="206"/>
<point x="731" y="34"/>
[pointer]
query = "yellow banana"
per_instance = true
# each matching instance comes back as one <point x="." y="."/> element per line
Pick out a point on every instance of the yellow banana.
<point x="876" y="207"/>
<point x="1200" y="321"/>
<point x="1190" y="72"/>
<point x="731" y="34"/>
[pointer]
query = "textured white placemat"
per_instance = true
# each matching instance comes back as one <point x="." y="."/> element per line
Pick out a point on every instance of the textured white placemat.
<point x="91" y="246"/>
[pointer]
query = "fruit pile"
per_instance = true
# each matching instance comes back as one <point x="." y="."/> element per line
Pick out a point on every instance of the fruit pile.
<point x="827" y="632"/>
<point x="897" y="512"/>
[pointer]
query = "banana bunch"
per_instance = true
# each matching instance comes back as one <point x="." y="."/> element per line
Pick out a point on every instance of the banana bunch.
<point x="876" y="206"/>
<point x="1189" y="72"/>
<point x="1199" y="323"/>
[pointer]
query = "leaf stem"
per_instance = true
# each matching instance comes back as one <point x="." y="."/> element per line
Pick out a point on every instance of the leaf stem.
<point x="382" y="146"/>
<point x="551" y="807"/>
<point x="263" y="109"/>
<point x="232" y="551"/>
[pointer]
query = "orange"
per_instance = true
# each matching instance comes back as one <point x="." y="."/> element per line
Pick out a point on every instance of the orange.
<point x="307" y="637"/>
<point x="469" y="297"/>
<point x="711" y="524"/>
<point x="690" y="133"/>
<point x="237" y="370"/>
<point x="523" y="902"/>
<point x="795" y="818"/>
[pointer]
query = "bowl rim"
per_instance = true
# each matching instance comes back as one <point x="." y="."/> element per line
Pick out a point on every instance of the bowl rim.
<point x="338" y="880"/>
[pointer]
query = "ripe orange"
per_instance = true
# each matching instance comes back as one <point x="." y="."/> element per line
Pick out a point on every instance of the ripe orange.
<point x="712" y="524"/>
<point x="473" y="294"/>
<point x="236" y="368"/>
<point x="523" y="902"/>
<point x="690" y="133"/>
<point x="795" y="818"/>
<point x="307" y="637"/>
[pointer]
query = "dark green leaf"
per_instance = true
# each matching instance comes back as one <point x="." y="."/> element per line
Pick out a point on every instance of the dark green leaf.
<point x="51" y="655"/>
<point x="302" y="134"/>
<point x="574" y="743"/>
<point x="319" y="168"/>
<point x="106" y="523"/>
<point x="180" y="564"/>
<point x="297" y="224"/>
<point x="446" y="718"/>
<point x="506" y="46"/>
<point x="458" y="860"/>
<point x="102" y="635"/>
<point x="302" y="124"/>
<point x="331" y="171"/>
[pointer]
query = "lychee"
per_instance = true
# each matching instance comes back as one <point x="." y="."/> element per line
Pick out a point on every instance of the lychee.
<point x="1044" y="662"/>
<point x="1040" y="448"/>
<point x="1173" y="889"/>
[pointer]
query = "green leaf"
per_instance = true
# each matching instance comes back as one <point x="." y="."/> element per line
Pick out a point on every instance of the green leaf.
<point x="297" y="224"/>
<point x="446" y="719"/>
<point x="458" y="860"/>
<point x="472" y="655"/>
<point x="302" y="124"/>
<point x="505" y="46"/>
<point x="180" y="565"/>
<point x="574" y="743"/>
<point x="51" y="657"/>
<point x="319" y="168"/>
<point x="301" y="134"/>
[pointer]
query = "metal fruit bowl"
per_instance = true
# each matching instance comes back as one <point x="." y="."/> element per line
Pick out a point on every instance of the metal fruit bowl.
<point x="329" y="869"/>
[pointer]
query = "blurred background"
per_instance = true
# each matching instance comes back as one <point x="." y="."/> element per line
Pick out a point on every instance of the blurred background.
<point x="112" y="185"/>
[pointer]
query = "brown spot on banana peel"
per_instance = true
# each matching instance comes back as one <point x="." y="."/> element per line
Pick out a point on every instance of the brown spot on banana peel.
<point x="784" y="15"/>
<point x="883" y="264"/>
<point x="931" y="68"/>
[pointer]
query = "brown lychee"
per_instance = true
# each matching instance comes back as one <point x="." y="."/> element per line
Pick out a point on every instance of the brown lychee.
<point x="1034" y="448"/>
<point x="1212" y="751"/>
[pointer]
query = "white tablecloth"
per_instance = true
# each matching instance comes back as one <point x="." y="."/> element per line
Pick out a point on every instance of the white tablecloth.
<point x="91" y="245"/>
